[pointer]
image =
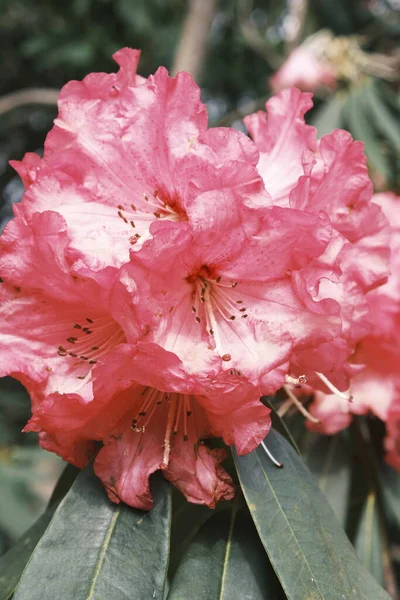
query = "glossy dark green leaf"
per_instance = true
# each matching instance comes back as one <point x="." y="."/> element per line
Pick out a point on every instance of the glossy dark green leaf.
<point x="96" y="550"/>
<point x="308" y="549"/>
<point x="187" y="518"/>
<point x="329" y="460"/>
<point x="226" y="561"/>
<point x="14" y="561"/>
<point x="278" y="423"/>
<point x="368" y="541"/>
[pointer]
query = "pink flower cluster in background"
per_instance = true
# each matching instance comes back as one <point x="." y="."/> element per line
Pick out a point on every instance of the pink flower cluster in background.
<point x="374" y="365"/>
<point x="159" y="277"/>
<point x="304" y="69"/>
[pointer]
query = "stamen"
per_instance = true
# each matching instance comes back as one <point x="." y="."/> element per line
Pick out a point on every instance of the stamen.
<point x="177" y="414"/>
<point x="271" y="457"/>
<point x="106" y="334"/>
<point x="299" y="405"/>
<point x="296" y="380"/>
<point x="186" y="414"/>
<point x="214" y="301"/>
<point x="167" y="443"/>
<point x="282" y="410"/>
<point x="345" y="395"/>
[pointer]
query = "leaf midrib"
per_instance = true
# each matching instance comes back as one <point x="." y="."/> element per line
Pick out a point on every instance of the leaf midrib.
<point x="227" y="551"/>
<point x="290" y="529"/>
<point x="102" y="553"/>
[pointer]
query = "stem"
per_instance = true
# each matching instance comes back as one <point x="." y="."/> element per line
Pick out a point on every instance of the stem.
<point x="298" y="13"/>
<point x="192" y="46"/>
<point x="45" y="96"/>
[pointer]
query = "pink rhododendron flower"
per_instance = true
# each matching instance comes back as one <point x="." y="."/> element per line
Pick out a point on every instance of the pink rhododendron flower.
<point x="331" y="176"/>
<point x="304" y="70"/>
<point x="69" y="340"/>
<point x="126" y="152"/>
<point x="230" y="297"/>
<point x="375" y="384"/>
<point x="160" y="276"/>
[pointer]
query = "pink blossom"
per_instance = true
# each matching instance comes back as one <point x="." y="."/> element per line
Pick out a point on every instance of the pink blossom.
<point x="375" y="381"/>
<point x="126" y="152"/>
<point x="154" y="289"/>
<point x="229" y="298"/>
<point x="69" y="339"/>
<point x="304" y="70"/>
<point x="331" y="176"/>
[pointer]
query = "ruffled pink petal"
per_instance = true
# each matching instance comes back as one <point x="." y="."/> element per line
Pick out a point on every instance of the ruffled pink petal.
<point x="339" y="185"/>
<point x="283" y="138"/>
<point x="73" y="420"/>
<point x="77" y="452"/>
<point x="332" y="411"/>
<point x="100" y="236"/>
<point x="27" y="168"/>
<point x="194" y="468"/>
<point x="54" y="344"/>
<point x="79" y="98"/>
<point x="244" y="428"/>
<point x="128" y="146"/>
<point x="230" y="145"/>
<point x="125" y="463"/>
<point x="130" y="456"/>
<point x="33" y="256"/>
<point x="38" y="255"/>
<point x="373" y="393"/>
<point x="252" y="317"/>
<point x="198" y="474"/>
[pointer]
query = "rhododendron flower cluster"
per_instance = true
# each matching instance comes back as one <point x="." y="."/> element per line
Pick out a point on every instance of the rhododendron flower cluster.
<point x="159" y="277"/>
<point x="374" y="365"/>
<point x="324" y="61"/>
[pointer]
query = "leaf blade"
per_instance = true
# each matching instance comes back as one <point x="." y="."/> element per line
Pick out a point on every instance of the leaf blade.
<point x="227" y="549"/>
<point x="14" y="561"/>
<point x="94" y="549"/>
<point x="310" y="554"/>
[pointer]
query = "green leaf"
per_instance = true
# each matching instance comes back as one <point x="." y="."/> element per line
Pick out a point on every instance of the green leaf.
<point x="361" y="126"/>
<point x="187" y="518"/>
<point x="63" y="484"/>
<point x="308" y="549"/>
<point x="391" y="498"/>
<point x="386" y="122"/>
<point x="14" y="561"/>
<point x="94" y="549"/>
<point x="368" y="541"/>
<point x="16" y="500"/>
<point x="226" y="561"/>
<point x="329" y="460"/>
<point x="329" y="116"/>
<point x="278" y="424"/>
